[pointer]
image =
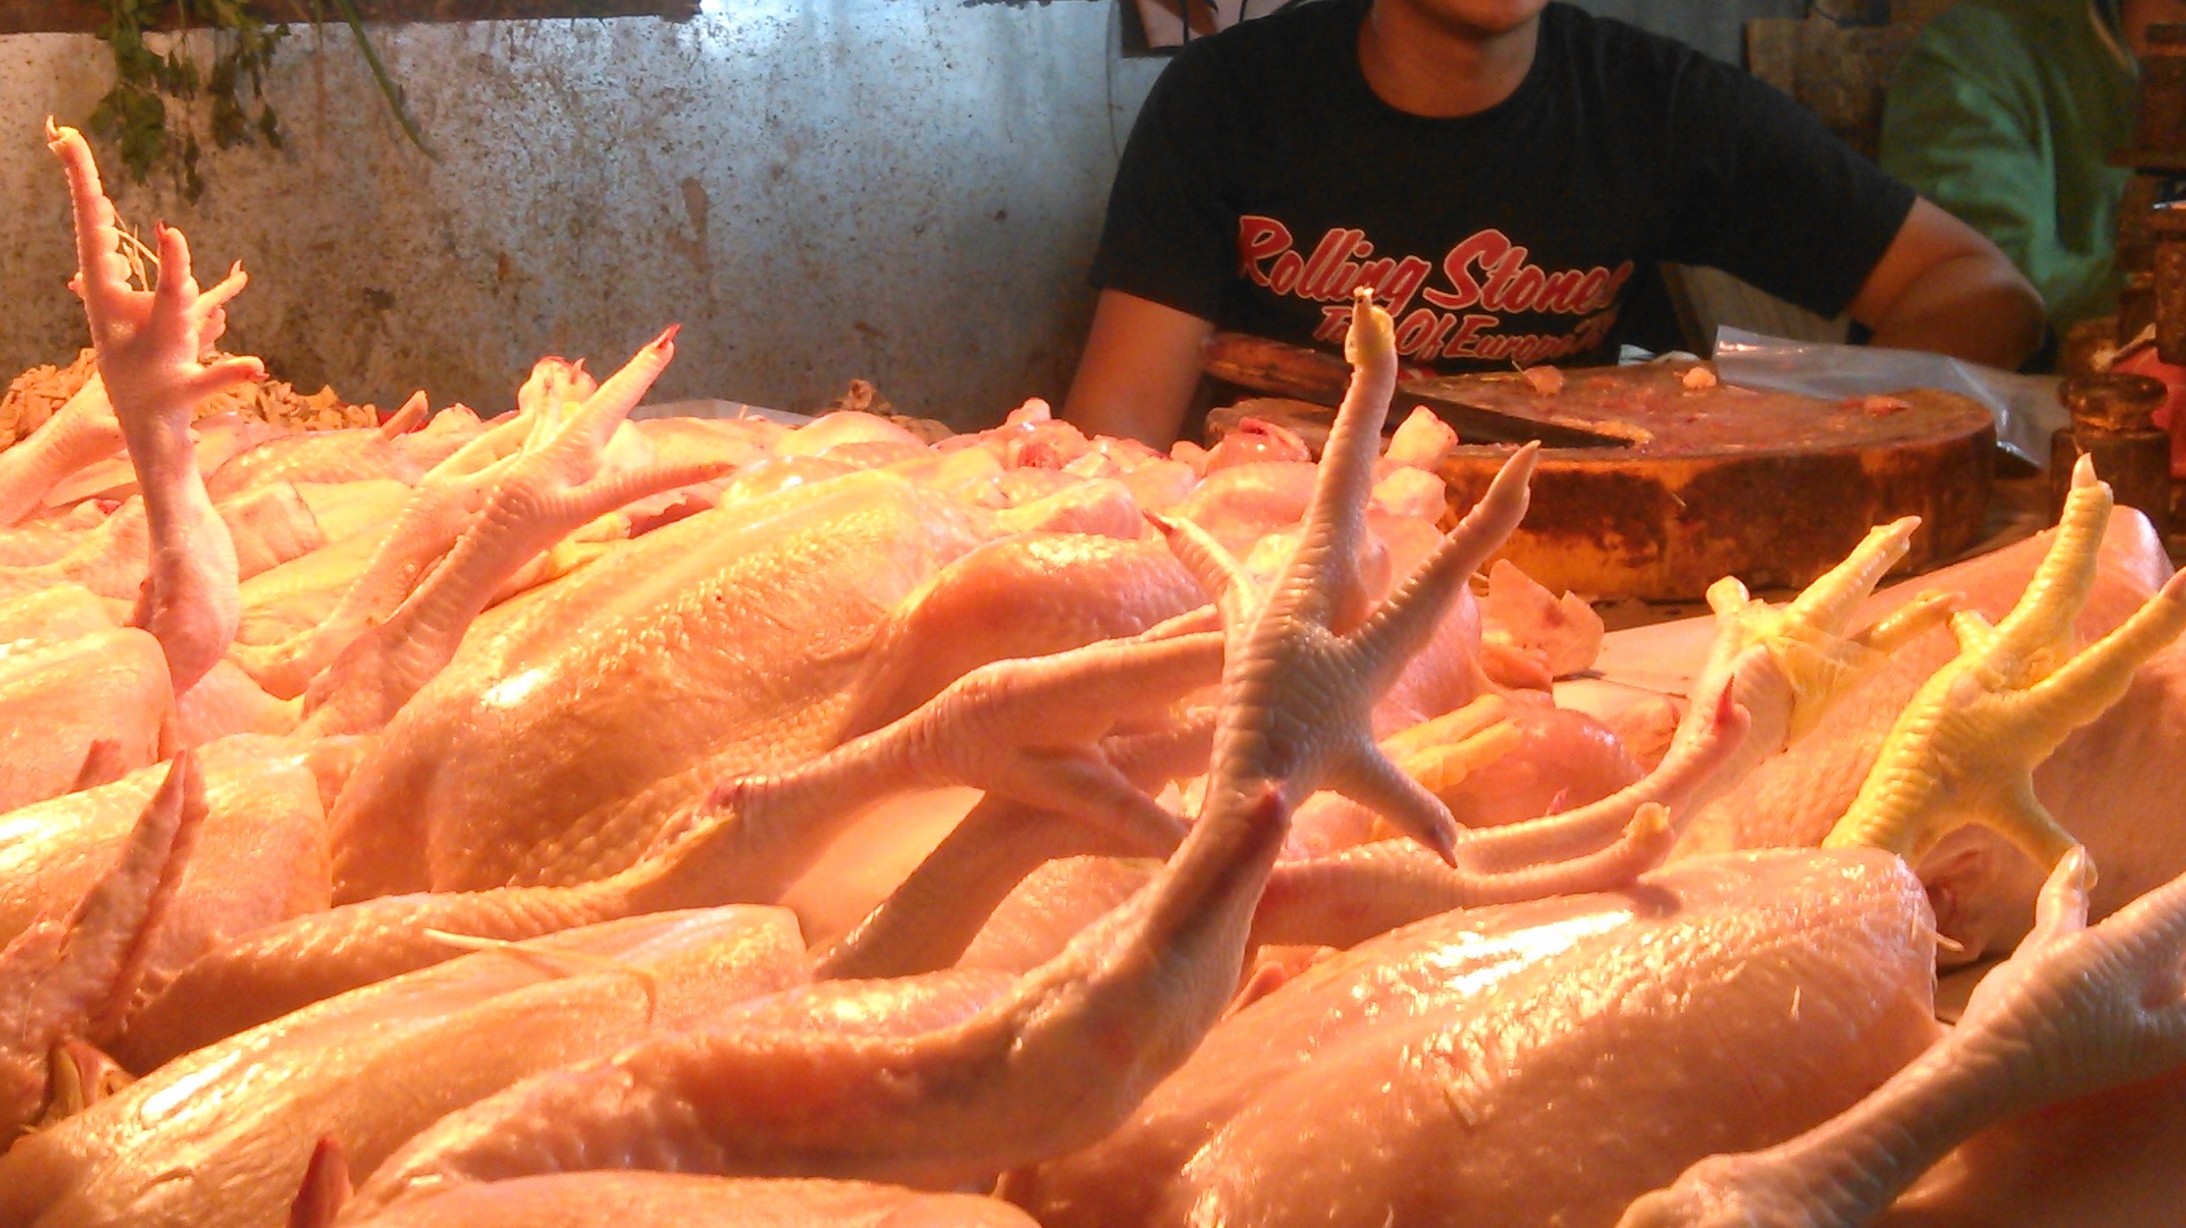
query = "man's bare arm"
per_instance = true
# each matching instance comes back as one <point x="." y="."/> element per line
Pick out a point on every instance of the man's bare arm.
<point x="1941" y="286"/>
<point x="1139" y="370"/>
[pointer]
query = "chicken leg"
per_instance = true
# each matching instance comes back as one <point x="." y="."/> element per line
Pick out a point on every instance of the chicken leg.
<point x="150" y="344"/>
<point x="556" y="484"/>
<point x="83" y="430"/>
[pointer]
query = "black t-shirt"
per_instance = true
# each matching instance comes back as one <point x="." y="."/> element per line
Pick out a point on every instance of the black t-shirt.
<point x="1264" y="178"/>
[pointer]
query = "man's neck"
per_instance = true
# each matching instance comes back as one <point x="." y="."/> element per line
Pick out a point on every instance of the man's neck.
<point x="1424" y="64"/>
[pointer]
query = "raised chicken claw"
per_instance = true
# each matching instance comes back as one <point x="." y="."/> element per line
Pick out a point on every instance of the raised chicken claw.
<point x="150" y="347"/>
<point x="443" y="505"/>
<point x="1778" y="667"/>
<point x="151" y="343"/>
<point x="1965" y="748"/>
<point x="2073" y="1012"/>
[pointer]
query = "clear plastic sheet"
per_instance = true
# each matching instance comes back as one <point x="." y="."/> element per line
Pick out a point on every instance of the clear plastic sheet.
<point x="2026" y="408"/>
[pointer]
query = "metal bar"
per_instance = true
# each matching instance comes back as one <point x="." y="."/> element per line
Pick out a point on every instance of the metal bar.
<point x="85" y="17"/>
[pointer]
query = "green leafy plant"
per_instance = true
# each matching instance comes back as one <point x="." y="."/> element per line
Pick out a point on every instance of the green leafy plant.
<point x="162" y="100"/>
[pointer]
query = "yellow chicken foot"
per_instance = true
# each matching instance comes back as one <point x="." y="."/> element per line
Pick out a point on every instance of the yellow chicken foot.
<point x="2073" y="1012"/>
<point x="1966" y="746"/>
<point x="1771" y="673"/>
<point x="1442" y="752"/>
<point x="1807" y="660"/>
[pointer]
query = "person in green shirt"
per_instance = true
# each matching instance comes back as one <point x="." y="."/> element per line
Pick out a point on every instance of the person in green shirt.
<point x="2006" y="112"/>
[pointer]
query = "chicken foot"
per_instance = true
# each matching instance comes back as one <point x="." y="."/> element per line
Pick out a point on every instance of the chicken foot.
<point x="556" y="484"/>
<point x="926" y="923"/>
<point x="1810" y="661"/>
<point x="1335" y="900"/>
<point x="149" y="345"/>
<point x="1965" y="748"/>
<point x="1059" y="1057"/>
<point x="2074" y="1011"/>
<point x="1036" y="730"/>
<point x="446" y="500"/>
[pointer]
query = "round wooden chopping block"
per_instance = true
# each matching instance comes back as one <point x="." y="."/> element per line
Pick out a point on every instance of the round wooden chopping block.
<point x="1768" y="487"/>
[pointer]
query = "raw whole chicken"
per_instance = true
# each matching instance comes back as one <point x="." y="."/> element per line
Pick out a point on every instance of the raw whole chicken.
<point x="546" y="679"/>
<point x="1502" y="1043"/>
<point x="223" y="1136"/>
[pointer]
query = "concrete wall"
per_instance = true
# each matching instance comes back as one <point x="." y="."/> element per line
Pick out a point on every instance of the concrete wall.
<point x="904" y="190"/>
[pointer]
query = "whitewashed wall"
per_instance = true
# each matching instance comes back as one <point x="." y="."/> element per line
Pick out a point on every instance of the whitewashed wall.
<point x="904" y="190"/>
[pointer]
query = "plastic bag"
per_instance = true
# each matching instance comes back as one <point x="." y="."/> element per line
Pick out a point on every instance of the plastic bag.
<point x="2025" y="407"/>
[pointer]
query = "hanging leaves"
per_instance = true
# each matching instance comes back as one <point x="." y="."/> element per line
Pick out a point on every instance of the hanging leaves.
<point x="153" y="111"/>
<point x="165" y="104"/>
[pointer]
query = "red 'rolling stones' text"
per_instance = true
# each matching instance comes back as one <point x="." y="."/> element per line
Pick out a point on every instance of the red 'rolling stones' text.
<point x="1484" y="278"/>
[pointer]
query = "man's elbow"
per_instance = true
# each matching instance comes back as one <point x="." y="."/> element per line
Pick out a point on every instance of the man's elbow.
<point x="1974" y="305"/>
<point x="2022" y="320"/>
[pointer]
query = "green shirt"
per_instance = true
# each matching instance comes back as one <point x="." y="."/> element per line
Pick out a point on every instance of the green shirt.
<point x="2005" y="112"/>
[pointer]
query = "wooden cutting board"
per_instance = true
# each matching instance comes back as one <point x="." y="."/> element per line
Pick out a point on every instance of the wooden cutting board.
<point x="1771" y="487"/>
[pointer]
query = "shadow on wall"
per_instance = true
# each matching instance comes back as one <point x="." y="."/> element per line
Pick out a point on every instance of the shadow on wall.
<point x="905" y="192"/>
<point x="816" y="189"/>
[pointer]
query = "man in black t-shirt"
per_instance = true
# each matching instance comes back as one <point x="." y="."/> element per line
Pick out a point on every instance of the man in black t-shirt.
<point x="1506" y="174"/>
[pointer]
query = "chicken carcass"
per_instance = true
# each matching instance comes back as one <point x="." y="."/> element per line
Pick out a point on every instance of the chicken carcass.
<point x="223" y="1136"/>
<point x="2075" y="1011"/>
<point x="261" y="854"/>
<point x="1533" y="1063"/>
<point x="671" y="1200"/>
<point x="748" y="843"/>
<point x="96" y="700"/>
<point x="74" y="976"/>
<point x="760" y="624"/>
<point x="943" y="1078"/>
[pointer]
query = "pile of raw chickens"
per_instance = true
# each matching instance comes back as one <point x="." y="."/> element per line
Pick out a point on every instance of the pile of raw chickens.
<point x="555" y="819"/>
